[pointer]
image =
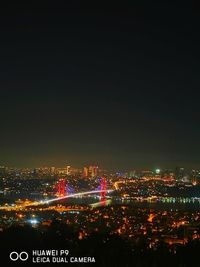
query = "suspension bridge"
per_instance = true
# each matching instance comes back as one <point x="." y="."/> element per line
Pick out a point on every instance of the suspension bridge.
<point x="63" y="193"/>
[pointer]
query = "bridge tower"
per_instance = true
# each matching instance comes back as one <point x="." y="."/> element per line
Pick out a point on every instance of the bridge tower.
<point x="103" y="187"/>
<point x="61" y="192"/>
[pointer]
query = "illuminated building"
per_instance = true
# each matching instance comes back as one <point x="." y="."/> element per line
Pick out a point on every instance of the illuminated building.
<point x="85" y="172"/>
<point x="132" y="174"/>
<point x="158" y="171"/>
<point x="68" y="170"/>
<point x="52" y="170"/>
<point x="65" y="171"/>
<point x="93" y="170"/>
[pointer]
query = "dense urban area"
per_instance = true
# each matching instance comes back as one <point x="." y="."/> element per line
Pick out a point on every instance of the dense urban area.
<point x="118" y="217"/>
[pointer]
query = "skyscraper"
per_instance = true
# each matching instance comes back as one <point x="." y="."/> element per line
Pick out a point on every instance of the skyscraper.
<point x="85" y="172"/>
<point x="93" y="170"/>
<point x="68" y="170"/>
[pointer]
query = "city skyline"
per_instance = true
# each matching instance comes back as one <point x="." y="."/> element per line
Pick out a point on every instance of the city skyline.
<point x="99" y="133"/>
<point x="95" y="170"/>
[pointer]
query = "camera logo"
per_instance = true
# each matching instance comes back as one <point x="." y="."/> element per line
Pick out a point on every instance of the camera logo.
<point x="23" y="256"/>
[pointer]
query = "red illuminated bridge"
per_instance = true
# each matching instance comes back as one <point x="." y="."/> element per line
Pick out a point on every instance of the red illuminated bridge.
<point x="76" y="195"/>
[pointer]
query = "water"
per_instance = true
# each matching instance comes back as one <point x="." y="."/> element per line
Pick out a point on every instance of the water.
<point x="161" y="204"/>
<point x="137" y="204"/>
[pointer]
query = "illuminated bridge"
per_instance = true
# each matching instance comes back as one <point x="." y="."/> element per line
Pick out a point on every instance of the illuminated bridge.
<point x="43" y="202"/>
<point x="75" y="195"/>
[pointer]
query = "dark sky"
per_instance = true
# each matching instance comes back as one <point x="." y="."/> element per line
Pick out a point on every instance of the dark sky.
<point x="117" y="86"/>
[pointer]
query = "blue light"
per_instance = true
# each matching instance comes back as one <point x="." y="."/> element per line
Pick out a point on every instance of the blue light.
<point x="33" y="221"/>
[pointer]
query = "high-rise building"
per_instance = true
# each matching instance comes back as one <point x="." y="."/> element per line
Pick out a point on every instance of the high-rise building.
<point x="93" y="170"/>
<point x="132" y="174"/>
<point x="52" y="170"/>
<point x="85" y="172"/>
<point x="68" y="170"/>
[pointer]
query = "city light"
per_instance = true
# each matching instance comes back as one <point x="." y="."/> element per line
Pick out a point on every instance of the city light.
<point x="33" y="221"/>
<point x="158" y="171"/>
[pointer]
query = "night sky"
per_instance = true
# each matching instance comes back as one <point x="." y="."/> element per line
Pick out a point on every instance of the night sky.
<point x="114" y="86"/>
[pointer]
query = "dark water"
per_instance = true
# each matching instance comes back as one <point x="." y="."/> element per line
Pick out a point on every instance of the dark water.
<point x="112" y="201"/>
<point x="137" y="204"/>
